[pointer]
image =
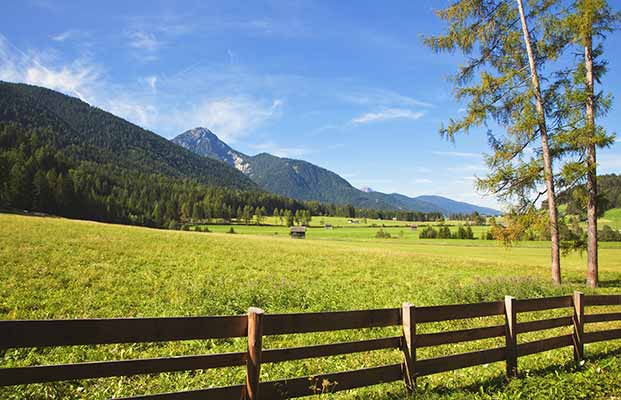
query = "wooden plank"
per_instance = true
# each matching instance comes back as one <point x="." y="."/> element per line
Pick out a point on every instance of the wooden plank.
<point x="465" y="335"/>
<point x="539" y="346"/>
<point x="329" y="383"/>
<point x="603" y="300"/>
<point x="598" y="336"/>
<point x="276" y="324"/>
<point x="326" y="350"/>
<point x="592" y="318"/>
<point x="578" y="321"/>
<point x="546" y="303"/>
<point x="254" y="357"/>
<point x="458" y="361"/>
<point x="542" y="324"/>
<point x="51" y="373"/>
<point x="408" y="316"/>
<point x="39" y="333"/>
<point x="511" y="354"/>
<point x="458" y="311"/>
<point x="218" y="393"/>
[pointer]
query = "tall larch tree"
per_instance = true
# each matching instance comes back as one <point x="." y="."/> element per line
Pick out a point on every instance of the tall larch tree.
<point x="500" y="81"/>
<point x="584" y="25"/>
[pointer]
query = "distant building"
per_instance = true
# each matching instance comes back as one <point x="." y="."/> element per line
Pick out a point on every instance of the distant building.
<point x="298" y="232"/>
<point x="328" y="226"/>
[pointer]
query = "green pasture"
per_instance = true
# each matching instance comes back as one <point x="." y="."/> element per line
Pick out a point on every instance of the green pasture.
<point x="58" y="268"/>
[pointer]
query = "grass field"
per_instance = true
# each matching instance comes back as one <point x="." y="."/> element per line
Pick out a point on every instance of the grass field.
<point x="57" y="268"/>
<point x="611" y="217"/>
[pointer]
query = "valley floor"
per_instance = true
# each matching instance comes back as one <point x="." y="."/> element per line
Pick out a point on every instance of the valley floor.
<point x="58" y="268"/>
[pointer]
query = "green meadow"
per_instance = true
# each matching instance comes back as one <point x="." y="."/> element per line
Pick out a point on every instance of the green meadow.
<point x="59" y="268"/>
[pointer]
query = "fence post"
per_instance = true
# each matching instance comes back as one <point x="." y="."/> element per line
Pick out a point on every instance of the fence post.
<point x="511" y="336"/>
<point x="253" y="362"/>
<point x="578" y="335"/>
<point x="408" y="321"/>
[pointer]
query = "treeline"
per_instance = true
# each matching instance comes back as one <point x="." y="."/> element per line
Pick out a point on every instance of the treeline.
<point x="609" y="187"/>
<point x="444" y="232"/>
<point x="36" y="175"/>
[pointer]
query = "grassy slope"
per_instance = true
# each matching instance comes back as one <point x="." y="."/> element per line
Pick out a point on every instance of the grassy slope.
<point x="56" y="268"/>
<point x="611" y="217"/>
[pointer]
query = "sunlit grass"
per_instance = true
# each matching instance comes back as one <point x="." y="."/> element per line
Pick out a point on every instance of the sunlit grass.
<point x="57" y="268"/>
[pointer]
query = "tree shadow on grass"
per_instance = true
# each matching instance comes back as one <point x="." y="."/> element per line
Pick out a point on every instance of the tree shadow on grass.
<point x="499" y="382"/>
<point x="603" y="283"/>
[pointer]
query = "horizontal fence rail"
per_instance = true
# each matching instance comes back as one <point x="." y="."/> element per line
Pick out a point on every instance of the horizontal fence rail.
<point x="255" y="325"/>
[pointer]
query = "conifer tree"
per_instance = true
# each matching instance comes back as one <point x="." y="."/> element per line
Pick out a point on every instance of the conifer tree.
<point x="501" y="83"/>
<point x="583" y="26"/>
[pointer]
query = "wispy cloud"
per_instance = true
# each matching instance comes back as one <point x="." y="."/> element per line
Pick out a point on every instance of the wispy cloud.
<point x="61" y="37"/>
<point x="151" y="82"/>
<point x="423" y="181"/>
<point x="77" y="78"/>
<point x="381" y="97"/>
<point x="467" y="168"/>
<point x="232" y="117"/>
<point x="280" y="151"/>
<point x="387" y="114"/>
<point x="144" y="41"/>
<point x="456" y="154"/>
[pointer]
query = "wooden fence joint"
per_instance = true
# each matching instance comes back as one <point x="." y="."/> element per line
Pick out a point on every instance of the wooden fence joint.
<point x="408" y="318"/>
<point x="511" y="337"/>
<point x="578" y="319"/>
<point x="253" y="361"/>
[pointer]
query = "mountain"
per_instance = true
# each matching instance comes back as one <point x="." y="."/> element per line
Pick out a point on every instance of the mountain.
<point x="449" y="206"/>
<point x="87" y="133"/>
<point x="297" y="179"/>
<point x="205" y="143"/>
<point x="60" y="156"/>
<point x="302" y="180"/>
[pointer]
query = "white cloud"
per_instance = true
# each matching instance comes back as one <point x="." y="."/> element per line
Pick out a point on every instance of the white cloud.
<point x="61" y="37"/>
<point x="381" y="97"/>
<point x="456" y="154"/>
<point x="71" y="34"/>
<point x="280" y="151"/>
<point x="144" y="41"/>
<point x="144" y="115"/>
<point x="609" y="162"/>
<point x="152" y="82"/>
<point x="231" y="118"/>
<point x="78" y="78"/>
<point x="423" y="170"/>
<point x="387" y="114"/>
<point x="422" y="181"/>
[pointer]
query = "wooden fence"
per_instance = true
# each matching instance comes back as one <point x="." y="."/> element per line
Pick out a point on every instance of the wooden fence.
<point x="257" y="324"/>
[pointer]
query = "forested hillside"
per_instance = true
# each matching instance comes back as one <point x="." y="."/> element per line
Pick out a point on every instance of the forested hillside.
<point x="61" y="156"/>
<point x="305" y="181"/>
<point x="609" y="188"/>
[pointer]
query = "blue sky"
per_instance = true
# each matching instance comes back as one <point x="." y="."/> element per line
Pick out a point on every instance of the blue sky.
<point x="346" y="85"/>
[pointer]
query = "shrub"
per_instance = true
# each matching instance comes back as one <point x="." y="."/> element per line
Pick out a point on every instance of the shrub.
<point x="231" y="230"/>
<point x="381" y="234"/>
<point x="428" y="233"/>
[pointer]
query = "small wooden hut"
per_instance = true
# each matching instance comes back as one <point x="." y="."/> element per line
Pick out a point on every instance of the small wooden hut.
<point x="298" y="232"/>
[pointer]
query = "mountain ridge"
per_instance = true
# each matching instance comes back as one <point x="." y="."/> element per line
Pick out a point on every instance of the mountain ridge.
<point x="303" y="180"/>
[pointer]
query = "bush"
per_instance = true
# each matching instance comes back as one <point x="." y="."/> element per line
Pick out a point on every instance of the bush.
<point x="381" y="234"/>
<point x="607" y="234"/>
<point x="231" y="230"/>
<point x="428" y="233"/>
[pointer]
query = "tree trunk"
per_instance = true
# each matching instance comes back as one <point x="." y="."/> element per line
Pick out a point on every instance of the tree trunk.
<point x="547" y="160"/>
<point x="591" y="162"/>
